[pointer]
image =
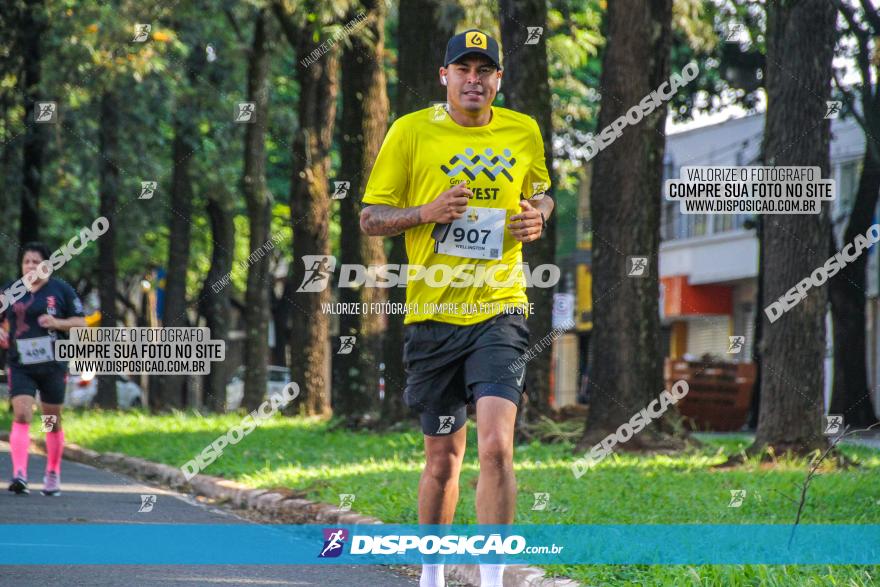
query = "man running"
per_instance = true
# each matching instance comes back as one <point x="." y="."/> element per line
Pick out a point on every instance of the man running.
<point x="48" y="306"/>
<point x="455" y="179"/>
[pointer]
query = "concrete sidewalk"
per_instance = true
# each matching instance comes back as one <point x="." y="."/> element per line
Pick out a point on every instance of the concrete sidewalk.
<point x="95" y="496"/>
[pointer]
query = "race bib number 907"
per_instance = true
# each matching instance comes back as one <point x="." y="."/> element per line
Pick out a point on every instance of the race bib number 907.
<point x="479" y="234"/>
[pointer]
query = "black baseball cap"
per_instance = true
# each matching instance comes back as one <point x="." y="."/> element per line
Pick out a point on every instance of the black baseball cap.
<point x="472" y="41"/>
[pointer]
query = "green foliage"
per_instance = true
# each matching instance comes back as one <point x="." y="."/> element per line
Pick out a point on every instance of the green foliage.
<point x="731" y="61"/>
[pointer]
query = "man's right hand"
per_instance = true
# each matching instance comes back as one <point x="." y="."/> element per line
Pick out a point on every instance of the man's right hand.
<point x="4" y="338"/>
<point x="448" y="206"/>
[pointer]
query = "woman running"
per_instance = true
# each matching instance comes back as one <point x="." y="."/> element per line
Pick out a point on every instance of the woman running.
<point x="35" y="315"/>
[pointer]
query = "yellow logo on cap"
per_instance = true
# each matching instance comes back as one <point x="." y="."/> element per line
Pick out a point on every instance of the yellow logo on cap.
<point x="475" y="39"/>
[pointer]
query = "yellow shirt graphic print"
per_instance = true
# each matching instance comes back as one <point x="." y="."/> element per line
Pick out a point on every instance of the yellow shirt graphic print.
<point x="426" y="153"/>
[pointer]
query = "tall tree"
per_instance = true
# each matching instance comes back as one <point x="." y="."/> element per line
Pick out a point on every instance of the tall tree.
<point x="800" y="46"/>
<point x="169" y="391"/>
<point x="33" y="24"/>
<point x="626" y="365"/>
<point x="310" y="202"/>
<point x="259" y="205"/>
<point x="107" y="267"/>
<point x="215" y="305"/>
<point x="850" y="393"/>
<point x="528" y="91"/>
<point x="364" y="122"/>
<point x="424" y="27"/>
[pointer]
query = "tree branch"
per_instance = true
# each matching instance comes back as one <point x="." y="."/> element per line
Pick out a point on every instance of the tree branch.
<point x="850" y="102"/>
<point x="872" y="16"/>
<point x="812" y="473"/>
<point x="236" y="29"/>
<point x="289" y="29"/>
<point x="863" y="38"/>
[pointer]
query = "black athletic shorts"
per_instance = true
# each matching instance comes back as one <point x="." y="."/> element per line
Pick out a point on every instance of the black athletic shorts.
<point x="49" y="378"/>
<point x="449" y="366"/>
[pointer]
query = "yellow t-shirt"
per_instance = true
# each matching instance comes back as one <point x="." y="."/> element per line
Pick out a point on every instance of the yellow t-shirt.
<point x="426" y="153"/>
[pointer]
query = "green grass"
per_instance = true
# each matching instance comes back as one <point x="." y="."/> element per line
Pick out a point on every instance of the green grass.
<point x="382" y="470"/>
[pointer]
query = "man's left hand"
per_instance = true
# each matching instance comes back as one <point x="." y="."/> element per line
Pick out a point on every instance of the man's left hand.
<point x="526" y="226"/>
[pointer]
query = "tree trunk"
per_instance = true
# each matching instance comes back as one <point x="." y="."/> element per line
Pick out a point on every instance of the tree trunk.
<point x="527" y="90"/>
<point x="256" y="315"/>
<point x="33" y="25"/>
<point x="310" y="214"/>
<point x="423" y="31"/>
<point x="215" y="306"/>
<point x="109" y="191"/>
<point x="168" y="391"/>
<point x="626" y="371"/>
<point x="851" y="395"/>
<point x="364" y="122"/>
<point x="802" y="36"/>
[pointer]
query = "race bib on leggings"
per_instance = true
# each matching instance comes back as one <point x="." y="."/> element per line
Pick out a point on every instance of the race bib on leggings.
<point x="479" y="234"/>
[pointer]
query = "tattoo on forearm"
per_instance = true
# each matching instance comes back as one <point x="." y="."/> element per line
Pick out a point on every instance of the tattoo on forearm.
<point x="378" y="220"/>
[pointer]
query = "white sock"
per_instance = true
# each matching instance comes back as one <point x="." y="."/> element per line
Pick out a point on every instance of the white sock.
<point x="432" y="576"/>
<point x="491" y="575"/>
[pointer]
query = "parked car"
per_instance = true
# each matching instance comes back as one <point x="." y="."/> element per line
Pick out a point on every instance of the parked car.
<point x="276" y="379"/>
<point x="82" y="389"/>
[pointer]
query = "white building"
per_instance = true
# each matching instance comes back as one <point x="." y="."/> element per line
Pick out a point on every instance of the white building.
<point x="709" y="263"/>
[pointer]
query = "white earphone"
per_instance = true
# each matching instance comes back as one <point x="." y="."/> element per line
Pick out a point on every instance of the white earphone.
<point x="443" y="79"/>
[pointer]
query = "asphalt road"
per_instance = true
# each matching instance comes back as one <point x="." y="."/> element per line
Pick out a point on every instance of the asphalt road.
<point x="96" y="496"/>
